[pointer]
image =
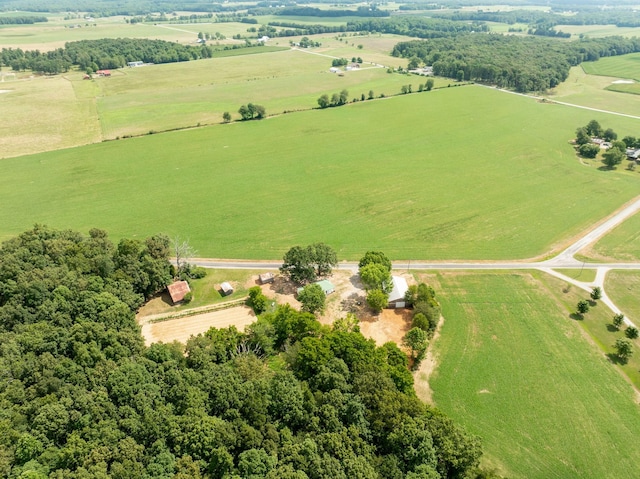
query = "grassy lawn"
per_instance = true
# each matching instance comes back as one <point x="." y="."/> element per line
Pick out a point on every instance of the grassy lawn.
<point x="517" y="371"/>
<point x="486" y="180"/>
<point x="206" y="291"/>
<point x="622" y="289"/>
<point x="620" y="244"/>
<point x="584" y="275"/>
<point x="594" y="91"/>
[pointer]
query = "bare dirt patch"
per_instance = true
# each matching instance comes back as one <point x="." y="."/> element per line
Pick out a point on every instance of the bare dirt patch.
<point x="389" y="325"/>
<point x="182" y="329"/>
<point x="427" y="368"/>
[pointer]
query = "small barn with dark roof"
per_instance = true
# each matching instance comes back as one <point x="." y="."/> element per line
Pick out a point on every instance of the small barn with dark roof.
<point x="178" y="291"/>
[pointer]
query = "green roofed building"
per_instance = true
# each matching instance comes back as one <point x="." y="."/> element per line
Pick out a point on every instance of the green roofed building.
<point x="326" y="285"/>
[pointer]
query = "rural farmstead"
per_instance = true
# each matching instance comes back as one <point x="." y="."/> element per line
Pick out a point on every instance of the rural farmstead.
<point x="433" y="165"/>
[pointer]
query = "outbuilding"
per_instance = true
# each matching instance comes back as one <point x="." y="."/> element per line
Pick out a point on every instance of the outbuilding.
<point x="400" y="288"/>
<point x="266" y="278"/>
<point x="226" y="289"/>
<point x="178" y="291"/>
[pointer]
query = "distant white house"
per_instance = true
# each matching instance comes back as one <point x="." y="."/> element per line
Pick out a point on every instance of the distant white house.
<point x="263" y="39"/>
<point x="396" y="297"/>
<point x="135" y="64"/>
<point x="334" y="69"/>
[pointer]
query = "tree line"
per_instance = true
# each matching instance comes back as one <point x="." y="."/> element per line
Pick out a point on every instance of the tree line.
<point x="22" y="20"/>
<point x="288" y="398"/>
<point x="107" y="53"/>
<point x="524" y="64"/>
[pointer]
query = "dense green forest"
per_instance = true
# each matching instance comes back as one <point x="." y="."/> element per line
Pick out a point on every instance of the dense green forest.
<point x="22" y="20"/>
<point x="521" y="63"/>
<point x="82" y="397"/>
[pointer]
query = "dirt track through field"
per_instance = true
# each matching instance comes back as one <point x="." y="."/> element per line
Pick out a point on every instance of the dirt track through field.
<point x="182" y="329"/>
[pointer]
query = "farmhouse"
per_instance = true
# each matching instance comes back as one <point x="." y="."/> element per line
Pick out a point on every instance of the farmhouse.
<point x="334" y="69"/>
<point x="104" y="73"/>
<point x="263" y="39"/>
<point x="396" y="297"/>
<point x="135" y="64"/>
<point x="226" y="289"/>
<point x="178" y="291"/>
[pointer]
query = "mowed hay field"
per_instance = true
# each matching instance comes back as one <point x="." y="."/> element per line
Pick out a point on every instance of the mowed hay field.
<point x="620" y="244"/>
<point x="518" y="372"/>
<point x="45" y="113"/>
<point x="458" y="173"/>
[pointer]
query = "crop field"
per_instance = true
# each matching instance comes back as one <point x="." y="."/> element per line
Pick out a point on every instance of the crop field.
<point x="517" y="371"/>
<point x="623" y="66"/>
<point x="620" y="244"/>
<point x="594" y="91"/>
<point x="622" y="287"/>
<point x="492" y="178"/>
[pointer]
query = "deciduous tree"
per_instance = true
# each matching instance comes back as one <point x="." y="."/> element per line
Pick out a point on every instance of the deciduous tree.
<point x="312" y="299"/>
<point x="624" y="349"/>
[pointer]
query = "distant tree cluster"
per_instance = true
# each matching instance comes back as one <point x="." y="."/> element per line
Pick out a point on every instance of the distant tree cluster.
<point x="251" y="112"/>
<point x="22" y="19"/>
<point x="337" y="99"/>
<point x="524" y="64"/>
<point x="83" y="397"/>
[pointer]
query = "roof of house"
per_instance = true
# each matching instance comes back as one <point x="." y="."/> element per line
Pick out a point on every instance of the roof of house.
<point x="326" y="286"/>
<point x="400" y="287"/>
<point x="264" y="277"/>
<point x="178" y="290"/>
<point x="226" y="286"/>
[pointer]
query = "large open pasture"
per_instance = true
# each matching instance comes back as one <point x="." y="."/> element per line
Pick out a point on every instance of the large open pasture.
<point x="456" y="173"/>
<point x="517" y="371"/>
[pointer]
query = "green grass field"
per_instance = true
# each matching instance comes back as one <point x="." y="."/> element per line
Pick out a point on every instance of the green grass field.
<point x="584" y="275"/>
<point x="623" y="66"/>
<point x="397" y="174"/>
<point x="519" y="373"/>
<point x="595" y="91"/>
<point x="622" y="289"/>
<point x="597" y="31"/>
<point x="620" y="244"/>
